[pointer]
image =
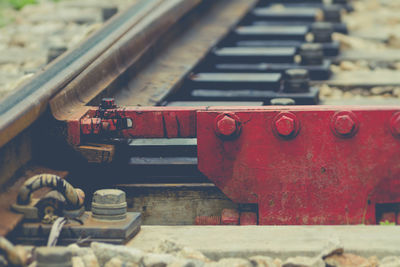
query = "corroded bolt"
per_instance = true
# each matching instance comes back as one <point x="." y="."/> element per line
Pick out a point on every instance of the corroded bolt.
<point x="344" y="125"/>
<point x="322" y="32"/>
<point x="285" y="126"/>
<point x="311" y="54"/>
<point x="109" y="204"/>
<point x="226" y="126"/>
<point x="107" y="103"/>
<point x="296" y="81"/>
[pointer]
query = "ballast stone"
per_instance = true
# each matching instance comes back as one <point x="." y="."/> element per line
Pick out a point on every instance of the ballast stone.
<point x="106" y="252"/>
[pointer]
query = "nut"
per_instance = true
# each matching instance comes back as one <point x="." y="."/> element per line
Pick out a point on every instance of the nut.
<point x="226" y="126"/>
<point x="109" y="196"/>
<point x="344" y="125"/>
<point x="285" y="126"/>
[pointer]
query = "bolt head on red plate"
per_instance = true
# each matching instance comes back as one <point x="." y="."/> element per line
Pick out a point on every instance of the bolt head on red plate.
<point x="345" y="124"/>
<point x="286" y="125"/>
<point x="227" y="125"/>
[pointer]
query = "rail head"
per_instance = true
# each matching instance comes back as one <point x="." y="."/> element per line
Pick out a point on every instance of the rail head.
<point x="21" y="108"/>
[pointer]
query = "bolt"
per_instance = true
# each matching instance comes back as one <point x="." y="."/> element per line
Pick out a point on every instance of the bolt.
<point x="322" y="32"/>
<point x="296" y="81"/>
<point x="227" y="126"/>
<point x="285" y="126"/>
<point x="109" y="204"/>
<point x="344" y="125"/>
<point x="107" y="103"/>
<point x="311" y="54"/>
<point x="333" y="13"/>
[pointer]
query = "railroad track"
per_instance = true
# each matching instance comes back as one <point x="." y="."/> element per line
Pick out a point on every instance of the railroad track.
<point x="194" y="107"/>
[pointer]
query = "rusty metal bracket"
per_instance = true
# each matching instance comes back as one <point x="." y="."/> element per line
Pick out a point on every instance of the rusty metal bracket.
<point x="301" y="165"/>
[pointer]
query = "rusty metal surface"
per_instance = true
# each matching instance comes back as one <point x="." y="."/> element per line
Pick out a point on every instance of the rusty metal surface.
<point x="118" y="231"/>
<point x="300" y="164"/>
<point x="322" y="165"/>
<point x="8" y="218"/>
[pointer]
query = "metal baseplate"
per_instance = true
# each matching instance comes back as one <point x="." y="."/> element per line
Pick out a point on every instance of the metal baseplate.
<point x="86" y="229"/>
<point x="300" y="164"/>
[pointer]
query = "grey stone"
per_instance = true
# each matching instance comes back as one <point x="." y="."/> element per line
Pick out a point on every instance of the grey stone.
<point x="333" y="246"/>
<point x="350" y="260"/>
<point x="77" y="262"/>
<point x="230" y="262"/>
<point x="262" y="261"/>
<point x="157" y="260"/>
<point x="105" y="252"/>
<point x="85" y="254"/>
<point x="304" y="262"/>
<point x="53" y="255"/>
<point x="190" y="253"/>
<point x="167" y="246"/>
<point x="391" y="261"/>
<point x="116" y="262"/>
<point x="185" y="263"/>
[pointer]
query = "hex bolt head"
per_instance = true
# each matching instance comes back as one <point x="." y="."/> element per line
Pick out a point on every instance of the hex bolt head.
<point x="227" y="125"/>
<point x="296" y="81"/>
<point x="311" y="54"/>
<point x="333" y="13"/>
<point x="107" y="103"/>
<point x="109" y="204"/>
<point x="322" y="32"/>
<point x="53" y="256"/>
<point x="285" y="126"/>
<point x="344" y="125"/>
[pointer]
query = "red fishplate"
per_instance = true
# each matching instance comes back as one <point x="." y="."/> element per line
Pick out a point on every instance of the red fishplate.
<point x="300" y="164"/>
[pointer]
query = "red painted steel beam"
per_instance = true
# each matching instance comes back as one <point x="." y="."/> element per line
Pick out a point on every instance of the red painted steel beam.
<point x="301" y="165"/>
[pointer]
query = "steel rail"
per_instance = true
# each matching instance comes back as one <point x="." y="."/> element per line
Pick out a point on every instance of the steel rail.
<point x="30" y="100"/>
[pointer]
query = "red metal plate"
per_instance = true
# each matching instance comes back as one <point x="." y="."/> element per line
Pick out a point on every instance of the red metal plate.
<point x="318" y="175"/>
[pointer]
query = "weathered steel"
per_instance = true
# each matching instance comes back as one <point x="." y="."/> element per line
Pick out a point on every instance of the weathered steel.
<point x="117" y="231"/>
<point x="301" y="165"/>
<point x="20" y="109"/>
<point x="124" y="52"/>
